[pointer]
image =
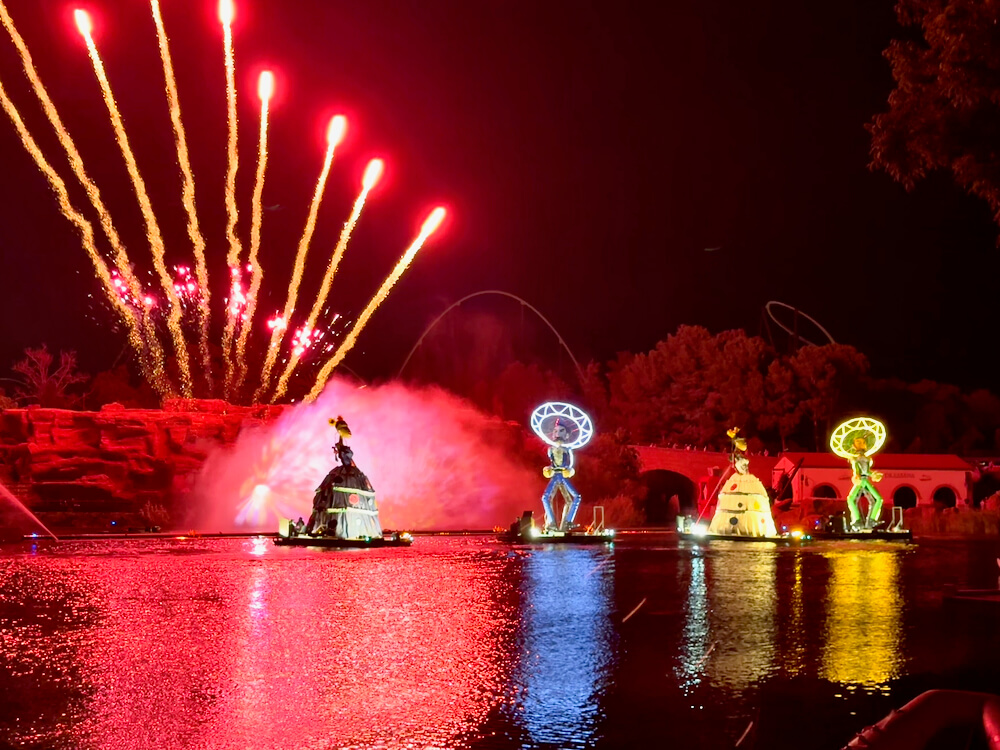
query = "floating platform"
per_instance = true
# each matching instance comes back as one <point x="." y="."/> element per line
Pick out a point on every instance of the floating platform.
<point x="880" y="535"/>
<point x="329" y="542"/>
<point x="781" y="539"/>
<point x="836" y="528"/>
<point x="537" y="536"/>
<point x="695" y="531"/>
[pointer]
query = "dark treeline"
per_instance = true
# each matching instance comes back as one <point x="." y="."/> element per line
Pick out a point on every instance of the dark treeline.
<point x="693" y="385"/>
<point x="686" y="391"/>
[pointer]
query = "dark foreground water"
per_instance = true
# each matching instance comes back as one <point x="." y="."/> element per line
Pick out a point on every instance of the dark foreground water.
<point x="462" y="642"/>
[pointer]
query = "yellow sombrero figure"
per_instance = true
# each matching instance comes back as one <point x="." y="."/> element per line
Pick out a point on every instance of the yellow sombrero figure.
<point x="858" y="440"/>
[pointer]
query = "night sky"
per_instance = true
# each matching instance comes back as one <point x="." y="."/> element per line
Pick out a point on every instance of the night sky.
<point x="590" y="156"/>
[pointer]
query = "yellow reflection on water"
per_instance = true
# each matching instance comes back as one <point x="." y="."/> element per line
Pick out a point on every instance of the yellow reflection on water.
<point x="862" y="644"/>
<point x="794" y="641"/>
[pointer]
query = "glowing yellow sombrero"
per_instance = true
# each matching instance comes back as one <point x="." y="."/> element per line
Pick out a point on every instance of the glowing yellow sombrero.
<point x="868" y="429"/>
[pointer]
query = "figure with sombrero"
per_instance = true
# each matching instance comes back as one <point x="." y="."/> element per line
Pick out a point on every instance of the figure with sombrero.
<point x="858" y="440"/>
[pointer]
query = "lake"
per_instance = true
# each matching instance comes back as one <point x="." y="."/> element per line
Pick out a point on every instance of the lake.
<point x="460" y="641"/>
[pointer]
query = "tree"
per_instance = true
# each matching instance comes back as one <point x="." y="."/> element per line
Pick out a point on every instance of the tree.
<point x="691" y="387"/>
<point x="115" y="386"/>
<point x="39" y="384"/>
<point x="608" y="467"/>
<point x="824" y="375"/>
<point x="945" y="110"/>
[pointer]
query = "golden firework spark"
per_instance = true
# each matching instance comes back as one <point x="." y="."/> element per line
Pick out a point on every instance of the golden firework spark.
<point x="83" y="23"/>
<point x="373" y="172"/>
<point x="334" y="134"/>
<point x="151" y="359"/>
<point x="430" y="225"/>
<point x="81" y="223"/>
<point x="226" y="13"/>
<point x="265" y="89"/>
<point x="187" y="193"/>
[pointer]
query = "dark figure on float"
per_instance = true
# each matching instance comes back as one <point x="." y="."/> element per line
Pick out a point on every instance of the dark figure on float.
<point x="344" y="505"/>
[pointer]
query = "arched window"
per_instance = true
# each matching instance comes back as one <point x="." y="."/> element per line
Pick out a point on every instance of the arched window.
<point x="904" y="497"/>
<point x="945" y="497"/>
<point x="825" y="491"/>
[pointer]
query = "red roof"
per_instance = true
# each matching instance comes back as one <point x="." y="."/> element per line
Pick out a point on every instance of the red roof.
<point x="918" y="461"/>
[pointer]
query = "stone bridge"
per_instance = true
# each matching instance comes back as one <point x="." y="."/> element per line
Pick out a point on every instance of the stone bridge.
<point x="689" y="475"/>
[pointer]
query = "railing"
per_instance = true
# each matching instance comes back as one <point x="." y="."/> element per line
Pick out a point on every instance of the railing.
<point x="597" y="527"/>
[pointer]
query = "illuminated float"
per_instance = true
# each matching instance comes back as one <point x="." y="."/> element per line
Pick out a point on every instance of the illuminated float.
<point x="857" y="440"/>
<point x="344" y="512"/>
<point x="743" y="509"/>
<point x="564" y="428"/>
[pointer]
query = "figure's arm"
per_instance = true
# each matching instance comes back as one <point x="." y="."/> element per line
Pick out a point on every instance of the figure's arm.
<point x="875" y="476"/>
<point x="550" y="470"/>
<point x="569" y="471"/>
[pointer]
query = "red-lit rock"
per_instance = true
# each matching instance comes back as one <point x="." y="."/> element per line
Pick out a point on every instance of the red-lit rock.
<point x="76" y="463"/>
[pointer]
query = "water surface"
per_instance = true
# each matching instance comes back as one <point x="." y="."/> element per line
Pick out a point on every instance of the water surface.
<point x="463" y="642"/>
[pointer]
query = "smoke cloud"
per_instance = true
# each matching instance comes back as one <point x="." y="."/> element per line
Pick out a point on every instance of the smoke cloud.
<point x="435" y="461"/>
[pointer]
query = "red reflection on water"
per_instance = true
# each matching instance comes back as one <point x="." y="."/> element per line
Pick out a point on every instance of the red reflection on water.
<point x="295" y="648"/>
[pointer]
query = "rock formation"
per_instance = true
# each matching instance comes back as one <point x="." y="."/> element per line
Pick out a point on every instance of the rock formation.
<point x="82" y="469"/>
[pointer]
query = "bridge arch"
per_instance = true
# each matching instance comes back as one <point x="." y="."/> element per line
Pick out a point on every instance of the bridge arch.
<point x="662" y="486"/>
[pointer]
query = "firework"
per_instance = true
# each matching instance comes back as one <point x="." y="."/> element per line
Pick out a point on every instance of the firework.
<point x="111" y="288"/>
<point x="152" y="228"/>
<point x="226" y="13"/>
<point x="334" y="134"/>
<point x="187" y="289"/>
<point x="265" y="89"/>
<point x="373" y="173"/>
<point x="151" y="355"/>
<point x="187" y="192"/>
<point x="430" y="225"/>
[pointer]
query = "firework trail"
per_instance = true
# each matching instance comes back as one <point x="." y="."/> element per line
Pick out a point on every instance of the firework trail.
<point x="373" y="172"/>
<point x="78" y="220"/>
<point x="187" y="192"/>
<point x="152" y="229"/>
<point x="226" y="12"/>
<point x="265" y="88"/>
<point x="334" y="134"/>
<point x="151" y="356"/>
<point x="431" y="223"/>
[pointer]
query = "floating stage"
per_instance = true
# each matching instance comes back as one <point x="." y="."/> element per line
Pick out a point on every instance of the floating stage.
<point x="688" y="528"/>
<point x="836" y="528"/>
<point x="535" y="535"/>
<point x="877" y="535"/>
<point x="330" y="542"/>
